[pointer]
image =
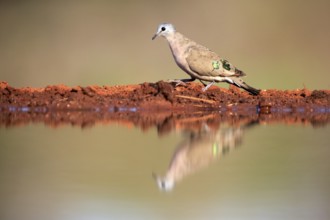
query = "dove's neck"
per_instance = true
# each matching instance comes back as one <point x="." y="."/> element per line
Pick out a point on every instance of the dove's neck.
<point x="178" y="44"/>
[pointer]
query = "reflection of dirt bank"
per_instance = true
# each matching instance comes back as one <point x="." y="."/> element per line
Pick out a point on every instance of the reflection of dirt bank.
<point x="164" y="121"/>
<point x="136" y="105"/>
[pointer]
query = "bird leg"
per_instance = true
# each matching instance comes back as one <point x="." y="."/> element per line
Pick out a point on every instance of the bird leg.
<point x="181" y="81"/>
<point x="203" y="83"/>
<point x="207" y="86"/>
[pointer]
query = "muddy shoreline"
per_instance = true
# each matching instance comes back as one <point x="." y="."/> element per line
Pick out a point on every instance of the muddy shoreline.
<point x="159" y="104"/>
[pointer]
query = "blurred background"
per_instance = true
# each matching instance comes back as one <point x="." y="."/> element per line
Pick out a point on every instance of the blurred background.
<point x="105" y="172"/>
<point x="279" y="44"/>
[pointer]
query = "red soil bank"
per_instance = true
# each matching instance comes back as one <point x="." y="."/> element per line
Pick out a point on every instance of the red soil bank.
<point x="159" y="104"/>
<point x="157" y="96"/>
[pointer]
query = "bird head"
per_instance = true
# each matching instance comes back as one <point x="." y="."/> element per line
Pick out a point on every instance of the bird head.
<point x="164" y="30"/>
<point x="164" y="184"/>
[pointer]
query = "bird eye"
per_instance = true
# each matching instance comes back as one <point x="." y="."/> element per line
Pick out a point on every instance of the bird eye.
<point x="163" y="28"/>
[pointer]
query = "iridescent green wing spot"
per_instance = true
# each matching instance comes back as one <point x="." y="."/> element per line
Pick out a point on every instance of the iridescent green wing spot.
<point x="215" y="149"/>
<point x="226" y="64"/>
<point x="216" y="64"/>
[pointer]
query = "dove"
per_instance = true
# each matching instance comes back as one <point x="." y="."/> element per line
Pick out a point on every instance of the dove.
<point x="199" y="62"/>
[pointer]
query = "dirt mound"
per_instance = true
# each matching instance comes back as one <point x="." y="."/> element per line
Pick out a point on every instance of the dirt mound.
<point x="159" y="104"/>
<point x="157" y="96"/>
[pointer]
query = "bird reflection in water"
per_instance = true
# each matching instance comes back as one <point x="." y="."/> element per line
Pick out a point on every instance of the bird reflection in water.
<point x="200" y="149"/>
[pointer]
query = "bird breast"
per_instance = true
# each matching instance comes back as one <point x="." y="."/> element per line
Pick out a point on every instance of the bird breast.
<point x="178" y="49"/>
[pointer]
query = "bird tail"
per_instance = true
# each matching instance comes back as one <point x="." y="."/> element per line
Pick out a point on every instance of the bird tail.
<point x="239" y="73"/>
<point x="241" y="84"/>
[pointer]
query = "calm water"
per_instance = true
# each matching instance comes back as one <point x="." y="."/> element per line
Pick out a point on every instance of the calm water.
<point x="206" y="170"/>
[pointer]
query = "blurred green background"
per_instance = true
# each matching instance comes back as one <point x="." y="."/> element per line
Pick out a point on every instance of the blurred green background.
<point x="279" y="44"/>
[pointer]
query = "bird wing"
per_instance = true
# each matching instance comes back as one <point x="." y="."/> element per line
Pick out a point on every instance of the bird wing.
<point x="207" y="63"/>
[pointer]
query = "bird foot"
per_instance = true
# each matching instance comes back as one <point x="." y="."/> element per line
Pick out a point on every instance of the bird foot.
<point x="177" y="82"/>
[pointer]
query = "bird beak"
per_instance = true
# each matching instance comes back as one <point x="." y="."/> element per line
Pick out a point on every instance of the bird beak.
<point x="156" y="35"/>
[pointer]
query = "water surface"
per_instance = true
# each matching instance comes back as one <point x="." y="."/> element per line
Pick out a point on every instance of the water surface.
<point x="198" y="167"/>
